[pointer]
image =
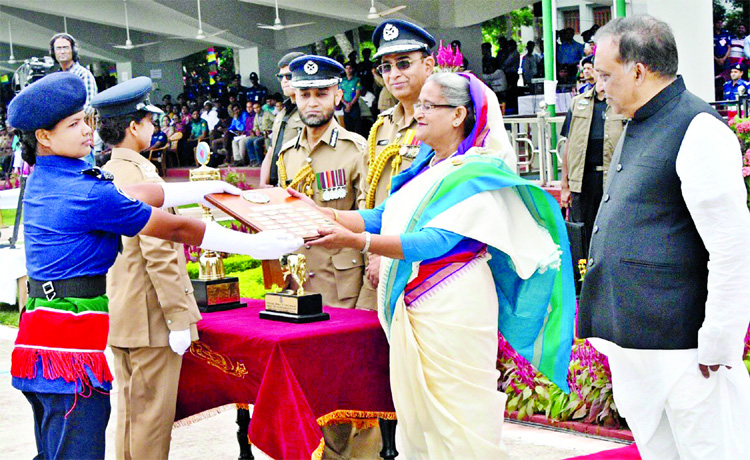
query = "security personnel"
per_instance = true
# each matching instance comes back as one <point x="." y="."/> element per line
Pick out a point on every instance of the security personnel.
<point x="732" y="87"/>
<point x="593" y="132"/>
<point x="326" y="162"/>
<point x="406" y="62"/>
<point x="153" y="313"/>
<point x="286" y="125"/>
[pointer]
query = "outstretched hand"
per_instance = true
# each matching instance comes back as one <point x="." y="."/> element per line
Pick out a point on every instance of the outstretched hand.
<point x="338" y="237"/>
<point x="301" y="196"/>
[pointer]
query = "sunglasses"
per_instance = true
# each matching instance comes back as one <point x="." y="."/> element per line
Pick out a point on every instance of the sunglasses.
<point x="282" y="76"/>
<point x="402" y="64"/>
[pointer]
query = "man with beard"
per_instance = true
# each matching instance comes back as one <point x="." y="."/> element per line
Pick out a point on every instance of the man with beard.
<point x="406" y="62"/>
<point x="286" y="125"/>
<point x="327" y="163"/>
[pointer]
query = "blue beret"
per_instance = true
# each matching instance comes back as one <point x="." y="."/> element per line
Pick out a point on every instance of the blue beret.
<point x="311" y="71"/>
<point x="397" y="36"/>
<point x="127" y="97"/>
<point x="46" y="101"/>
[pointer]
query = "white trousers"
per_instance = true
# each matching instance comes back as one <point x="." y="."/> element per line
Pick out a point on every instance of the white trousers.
<point x="673" y="411"/>
<point x="238" y="148"/>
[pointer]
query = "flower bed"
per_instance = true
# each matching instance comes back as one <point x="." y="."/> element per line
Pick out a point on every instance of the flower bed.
<point x="532" y="397"/>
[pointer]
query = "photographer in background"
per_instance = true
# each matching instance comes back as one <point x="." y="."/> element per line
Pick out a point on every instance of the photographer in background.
<point x="62" y="47"/>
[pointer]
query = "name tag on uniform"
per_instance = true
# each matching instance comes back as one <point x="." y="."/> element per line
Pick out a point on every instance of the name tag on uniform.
<point x="332" y="184"/>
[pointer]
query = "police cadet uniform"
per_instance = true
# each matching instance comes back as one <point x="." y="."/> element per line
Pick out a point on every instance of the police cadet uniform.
<point x="731" y="87"/>
<point x="150" y="295"/>
<point x="286" y="125"/>
<point x="332" y="173"/>
<point x="392" y="145"/>
<point x="73" y="218"/>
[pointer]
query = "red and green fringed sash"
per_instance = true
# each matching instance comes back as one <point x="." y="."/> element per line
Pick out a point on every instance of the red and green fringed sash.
<point x="68" y="334"/>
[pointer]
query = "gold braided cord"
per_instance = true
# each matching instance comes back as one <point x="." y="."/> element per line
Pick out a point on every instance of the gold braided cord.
<point x="395" y="168"/>
<point x="282" y="170"/>
<point x="372" y="139"/>
<point x="305" y="176"/>
<point x="376" y="171"/>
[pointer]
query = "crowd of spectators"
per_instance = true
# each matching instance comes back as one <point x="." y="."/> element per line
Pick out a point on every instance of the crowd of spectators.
<point x="512" y="74"/>
<point x="731" y="60"/>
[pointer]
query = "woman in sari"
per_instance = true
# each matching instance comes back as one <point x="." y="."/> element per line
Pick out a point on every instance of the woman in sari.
<point x="468" y="247"/>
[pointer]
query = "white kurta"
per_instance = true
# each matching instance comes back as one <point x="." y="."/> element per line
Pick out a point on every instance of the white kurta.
<point x="673" y="411"/>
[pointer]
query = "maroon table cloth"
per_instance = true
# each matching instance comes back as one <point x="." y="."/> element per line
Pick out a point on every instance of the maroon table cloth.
<point x="298" y="376"/>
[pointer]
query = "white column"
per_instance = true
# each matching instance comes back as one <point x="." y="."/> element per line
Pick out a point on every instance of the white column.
<point x="691" y="22"/>
<point x="124" y="71"/>
<point x="248" y="63"/>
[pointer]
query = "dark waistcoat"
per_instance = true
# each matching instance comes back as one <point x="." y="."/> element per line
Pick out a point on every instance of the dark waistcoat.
<point x="646" y="281"/>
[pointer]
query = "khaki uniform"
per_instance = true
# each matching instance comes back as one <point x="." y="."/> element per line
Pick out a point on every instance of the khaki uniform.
<point x="336" y="274"/>
<point x="149" y="295"/>
<point x="582" y="110"/>
<point x="293" y="126"/>
<point x="393" y="129"/>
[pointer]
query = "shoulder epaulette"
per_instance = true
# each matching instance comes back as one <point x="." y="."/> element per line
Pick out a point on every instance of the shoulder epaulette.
<point x="98" y="173"/>
<point x="387" y="112"/>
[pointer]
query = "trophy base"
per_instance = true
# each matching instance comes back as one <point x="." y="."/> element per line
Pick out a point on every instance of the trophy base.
<point x="292" y="308"/>
<point x="217" y="295"/>
<point x="221" y="307"/>
<point x="294" y="318"/>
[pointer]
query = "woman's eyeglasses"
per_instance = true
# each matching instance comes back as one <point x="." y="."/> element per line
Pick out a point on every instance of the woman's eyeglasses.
<point x="426" y="107"/>
<point x="402" y="64"/>
<point x="282" y="76"/>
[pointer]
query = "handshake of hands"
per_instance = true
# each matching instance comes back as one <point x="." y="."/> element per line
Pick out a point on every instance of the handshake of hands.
<point x="266" y="245"/>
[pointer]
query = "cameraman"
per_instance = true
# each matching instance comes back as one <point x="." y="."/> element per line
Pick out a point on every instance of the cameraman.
<point x="63" y="48"/>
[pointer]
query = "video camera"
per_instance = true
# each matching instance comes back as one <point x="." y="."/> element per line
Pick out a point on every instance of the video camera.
<point x="30" y="71"/>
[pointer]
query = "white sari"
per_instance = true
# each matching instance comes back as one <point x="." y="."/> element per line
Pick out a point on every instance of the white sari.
<point x="444" y="344"/>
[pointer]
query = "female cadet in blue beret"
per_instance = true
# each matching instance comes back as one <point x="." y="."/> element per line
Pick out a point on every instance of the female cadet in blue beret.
<point x="73" y="220"/>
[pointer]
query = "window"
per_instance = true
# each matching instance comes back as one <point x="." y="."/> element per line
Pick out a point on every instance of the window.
<point x="572" y="19"/>
<point x="602" y="15"/>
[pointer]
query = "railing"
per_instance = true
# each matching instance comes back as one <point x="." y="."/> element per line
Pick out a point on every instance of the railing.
<point x="531" y="138"/>
<point x="738" y="106"/>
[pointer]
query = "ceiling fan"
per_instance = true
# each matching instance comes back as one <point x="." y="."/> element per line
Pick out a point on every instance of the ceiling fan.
<point x="128" y="43"/>
<point x="277" y="25"/>
<point x="12" y="58"/>
<point x="373" y="14"/>
<point x="201" y="35"/>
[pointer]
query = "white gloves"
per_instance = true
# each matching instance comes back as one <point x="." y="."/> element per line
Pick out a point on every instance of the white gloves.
<point x="264" y="245"/>
<point x="179" y="341"/>
<point x="181" y="193"/>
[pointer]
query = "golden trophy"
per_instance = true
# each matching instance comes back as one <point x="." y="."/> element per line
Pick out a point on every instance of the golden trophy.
<point x="213" y="291"/>
<point x="294" y="306"/>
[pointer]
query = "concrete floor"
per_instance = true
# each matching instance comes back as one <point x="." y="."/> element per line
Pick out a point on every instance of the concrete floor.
<point x="214" y="438"/>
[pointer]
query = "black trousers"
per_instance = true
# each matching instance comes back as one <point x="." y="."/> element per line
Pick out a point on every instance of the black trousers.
<point x="585" y="204"/>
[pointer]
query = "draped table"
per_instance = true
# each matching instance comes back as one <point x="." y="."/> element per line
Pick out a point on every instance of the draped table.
<point x="299" y="377"/>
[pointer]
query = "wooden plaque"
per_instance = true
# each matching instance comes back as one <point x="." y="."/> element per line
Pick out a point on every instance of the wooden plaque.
<point x="273" y="209"/>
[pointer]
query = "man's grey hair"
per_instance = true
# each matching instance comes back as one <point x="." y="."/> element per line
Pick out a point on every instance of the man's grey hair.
<point x="643" y="39"/>
<point x="455" y="90"/>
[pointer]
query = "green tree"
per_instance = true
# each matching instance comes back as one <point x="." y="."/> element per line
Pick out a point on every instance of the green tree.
<point x="197" y="65"/>
<point x="494" y="28"/>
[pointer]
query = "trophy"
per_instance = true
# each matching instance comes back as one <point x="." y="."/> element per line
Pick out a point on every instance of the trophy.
<point x="294" y="306"/>
<point x="213" y="291"/>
